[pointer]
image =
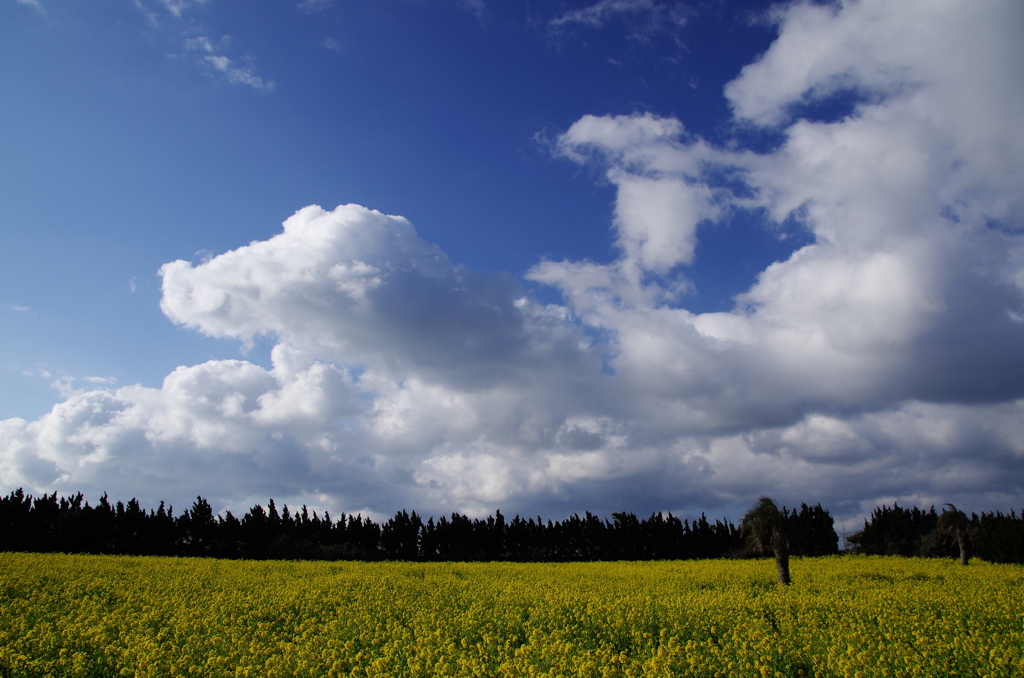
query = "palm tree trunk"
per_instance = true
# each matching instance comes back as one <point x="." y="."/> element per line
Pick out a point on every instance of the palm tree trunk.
<point x="961" y="539"/>
<point x="782" y="564"/>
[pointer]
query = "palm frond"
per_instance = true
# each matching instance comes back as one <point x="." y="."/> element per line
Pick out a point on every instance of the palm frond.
<point x="764" y="525"/>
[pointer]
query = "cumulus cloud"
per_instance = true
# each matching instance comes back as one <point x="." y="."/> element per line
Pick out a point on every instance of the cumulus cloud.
<point x="915" y="261"/>
<point x="359" y="287"/>
<point x="226" y="428"/>
<point x="661" y="196"/>
<point x="387" y="356"/>
<point x="879" y="362"/>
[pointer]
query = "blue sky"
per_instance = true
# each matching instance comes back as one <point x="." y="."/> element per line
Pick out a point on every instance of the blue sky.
<point x="438" y="111"/>
<point x="645" y="255"/>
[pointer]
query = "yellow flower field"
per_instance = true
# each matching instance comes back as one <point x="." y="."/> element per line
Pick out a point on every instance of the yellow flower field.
<point x="844" y="616"/>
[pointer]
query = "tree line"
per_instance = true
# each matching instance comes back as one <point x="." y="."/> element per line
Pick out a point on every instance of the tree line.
<point x="49" y="523"/>
<point x="994" y="536"/>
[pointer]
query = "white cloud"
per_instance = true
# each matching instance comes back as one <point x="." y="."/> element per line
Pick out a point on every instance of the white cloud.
<point x="199" y="48"/>
<point x="35" y="4"/>
<point x="905" y="272"/>
<point x="311" y="6"/>
<point x="65" y="386"/>
<point x="879" y="362"/>
<point x="595" y="15"/>
<point x="228" y="417"/>
<point x="238" y="75"/>
<point x="476" y="7"/>
<point x="199" y="44"/>
<point x="645" y="17"/>
<point x="224" y="66"/>
<point x="178" y="7"/>
<point x="661" y="196"/>
<point x="357" y="286"/>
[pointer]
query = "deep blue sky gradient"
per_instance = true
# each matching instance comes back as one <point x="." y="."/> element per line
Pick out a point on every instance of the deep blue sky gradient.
<point x="119" y="153"/>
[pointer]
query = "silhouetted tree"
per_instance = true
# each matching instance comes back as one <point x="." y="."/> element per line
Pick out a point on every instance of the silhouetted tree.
<point x="400" y="536"/>
<point x="896" y="531"/>
<point x="811" y="532"/>
<point x="70" y="524"/>
<point x="199" y="529"/>
<point x="764" y="526"/>
<point x="954" y="523"/>
<point x="999" y="538"/>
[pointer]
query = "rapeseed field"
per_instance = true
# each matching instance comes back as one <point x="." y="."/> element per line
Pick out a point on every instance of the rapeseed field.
<point x="63" y="615"/>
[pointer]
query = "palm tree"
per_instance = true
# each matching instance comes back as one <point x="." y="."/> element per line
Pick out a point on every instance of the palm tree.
<point x="954" y="523"/>
<point x="764" y="525"/>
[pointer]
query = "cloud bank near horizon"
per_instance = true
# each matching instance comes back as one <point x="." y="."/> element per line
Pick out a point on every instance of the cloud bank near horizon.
<point x="880" y="362"/>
